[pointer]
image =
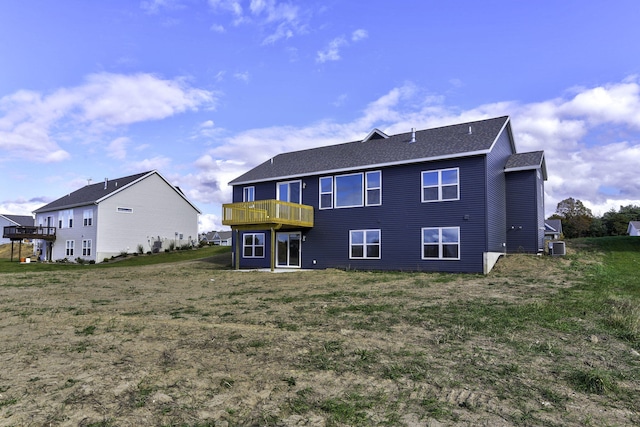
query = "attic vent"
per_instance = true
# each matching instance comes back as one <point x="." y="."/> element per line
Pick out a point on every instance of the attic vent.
<point x="375" y="134"/>
<point x="413" y="135"/>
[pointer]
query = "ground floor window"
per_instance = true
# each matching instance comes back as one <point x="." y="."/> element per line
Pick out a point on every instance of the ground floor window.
<point x="364" y="244"/>
<point x="70" y="246"/>
<point x="86" y="248"/>
<point x="441" y="243"/>
<point x="253" y="245"/>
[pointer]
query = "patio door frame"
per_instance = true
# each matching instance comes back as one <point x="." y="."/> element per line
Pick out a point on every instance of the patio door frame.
<point x="288" y="235"/>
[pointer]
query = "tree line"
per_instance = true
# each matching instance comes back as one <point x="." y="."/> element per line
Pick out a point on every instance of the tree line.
<point x="579" y="221"/>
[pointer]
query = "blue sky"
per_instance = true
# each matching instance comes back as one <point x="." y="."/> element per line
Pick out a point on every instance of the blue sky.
<point x="204" y="90"/>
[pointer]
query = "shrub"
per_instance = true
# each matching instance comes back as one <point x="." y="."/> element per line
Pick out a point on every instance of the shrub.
<point x="140" y="249"/>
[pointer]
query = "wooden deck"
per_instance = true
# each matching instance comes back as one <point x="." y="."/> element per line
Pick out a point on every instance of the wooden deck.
<point x="262" y="213"/>
<point x="21" y="232"/>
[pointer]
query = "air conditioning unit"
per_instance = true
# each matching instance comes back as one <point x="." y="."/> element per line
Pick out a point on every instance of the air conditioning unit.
<point x="558" y="249"/>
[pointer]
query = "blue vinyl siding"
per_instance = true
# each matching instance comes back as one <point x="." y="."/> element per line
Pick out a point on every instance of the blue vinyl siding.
<point x="400" y="220"/>
<point x="523" y="226"/>
<point x="496" y="189"/>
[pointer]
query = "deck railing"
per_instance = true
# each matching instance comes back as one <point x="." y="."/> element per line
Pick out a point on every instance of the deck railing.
<point x="19" y="232"/>
<point x="267" y="212"/>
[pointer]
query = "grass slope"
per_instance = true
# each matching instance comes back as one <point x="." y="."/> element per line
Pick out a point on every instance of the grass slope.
<point x="540" y="341"/>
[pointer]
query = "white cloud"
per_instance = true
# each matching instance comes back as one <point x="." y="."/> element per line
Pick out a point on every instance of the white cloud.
<point x="243" y="76"/>
<point x="218" y="28"/>
<point x="117" y="149"/>
<point x="359" y="34"/>
<point x="603" y="175"/>
<point x="33" y="125"/>
<point x="154" y="6"/>
<point x="232" y="6"/>
<point x="332" y="51"/>
<point x="279" y="20"/>
<point x="154" y="163"/>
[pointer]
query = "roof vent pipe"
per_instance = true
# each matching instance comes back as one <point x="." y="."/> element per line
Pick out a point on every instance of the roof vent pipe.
<point x="105" y="183"/>
<point x="413" y="134"/>
<point x="470" y="132"/>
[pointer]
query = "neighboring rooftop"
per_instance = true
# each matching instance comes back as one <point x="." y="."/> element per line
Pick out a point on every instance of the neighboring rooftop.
<point x="378" y="149"/>
<point x="26" y="220"/>
<point x="91" y="193"/>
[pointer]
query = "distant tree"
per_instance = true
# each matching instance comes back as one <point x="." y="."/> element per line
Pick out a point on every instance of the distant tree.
<point x="616" y="223"/>
<point x="576" y="218"/>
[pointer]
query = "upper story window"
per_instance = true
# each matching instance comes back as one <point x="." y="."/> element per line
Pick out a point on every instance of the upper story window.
<point x="326" y="192"/>
<point x="351" y="190"/>
<point x="249" y="194"/>
<point x="290" y="191"/>
<point x="348" y="190"/>
<point x="373" y="181"/>
<point x="65" y="219"/>
<point x="87" y="217"/>
<point x="440" y="185"/>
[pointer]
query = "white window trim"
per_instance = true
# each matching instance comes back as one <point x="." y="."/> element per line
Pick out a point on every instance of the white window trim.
<point x="439" y="186"/>
<point x="246" y="191"/>
<point x="86" y="247"/>
<point x="335" y="191"/>
<point x="364" y="244"/>
<point x="254" y="246"/>
<point x="367" y="188"/>
<point x="440" y="257"/>
<point x="87" y="218"/>
<point x="321" y="193"/>
<point x="69" y="248"/>
<point x="289" y="182"/>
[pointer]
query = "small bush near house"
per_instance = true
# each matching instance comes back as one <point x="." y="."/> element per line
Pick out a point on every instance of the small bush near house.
<point x="140" y="249"/>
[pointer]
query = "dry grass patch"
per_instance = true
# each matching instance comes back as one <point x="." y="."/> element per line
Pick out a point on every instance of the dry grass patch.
<point x="193" y="344"/>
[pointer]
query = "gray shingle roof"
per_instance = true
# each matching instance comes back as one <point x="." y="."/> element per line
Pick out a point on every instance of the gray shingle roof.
<point x="90" y="193"/>
<point x="554" y="225"/>
<point x="431" y="144"/>
<point x="20" y="219"/>
<point x="526" y="161"/>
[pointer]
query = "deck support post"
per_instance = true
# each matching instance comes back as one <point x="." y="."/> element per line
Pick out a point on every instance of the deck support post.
<point x="273" y="249"/>
<point x="237" y="249"/>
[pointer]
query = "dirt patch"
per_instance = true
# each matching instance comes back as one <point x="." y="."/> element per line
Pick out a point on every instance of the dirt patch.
<point x="193" y="344"/>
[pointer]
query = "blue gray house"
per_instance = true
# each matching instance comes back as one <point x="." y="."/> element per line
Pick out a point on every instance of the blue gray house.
<point x="451" y="199"/>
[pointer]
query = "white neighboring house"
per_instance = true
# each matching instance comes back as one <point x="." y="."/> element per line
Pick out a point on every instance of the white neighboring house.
<point x="7" y="220"/>
<point x="221" y="238"/>
<point x="634" y="228"/>
<point x="106" y="219"/>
